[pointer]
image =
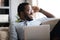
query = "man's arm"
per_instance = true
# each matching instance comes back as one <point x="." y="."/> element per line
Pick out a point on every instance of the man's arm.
<point x="12" y="33"/>
<point x="46" y="13"/>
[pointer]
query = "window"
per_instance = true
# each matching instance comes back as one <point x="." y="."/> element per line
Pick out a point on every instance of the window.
<point x="4" y="13"/>
<point x="4" y="2"/>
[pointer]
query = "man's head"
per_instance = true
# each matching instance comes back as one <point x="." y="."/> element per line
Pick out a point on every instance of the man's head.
<point x="25" y="11"/>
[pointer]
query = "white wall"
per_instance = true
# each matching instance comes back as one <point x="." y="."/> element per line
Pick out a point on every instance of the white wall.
<point x="52" y="6"/>
<point x="29" y="1"/>
<point x="13" y="10"/>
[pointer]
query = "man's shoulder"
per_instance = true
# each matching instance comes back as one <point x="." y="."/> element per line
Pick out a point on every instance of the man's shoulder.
<point x="17" y="24"/>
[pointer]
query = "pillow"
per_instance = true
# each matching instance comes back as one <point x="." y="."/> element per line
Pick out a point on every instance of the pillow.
<point x="3" y="33"/>
<point x="52" y="23"/>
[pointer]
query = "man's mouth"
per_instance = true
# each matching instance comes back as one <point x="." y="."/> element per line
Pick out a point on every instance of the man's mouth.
<point x="29" y="18"/>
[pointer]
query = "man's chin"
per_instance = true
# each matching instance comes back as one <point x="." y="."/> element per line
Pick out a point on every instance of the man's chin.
<point x="29" y="19"/>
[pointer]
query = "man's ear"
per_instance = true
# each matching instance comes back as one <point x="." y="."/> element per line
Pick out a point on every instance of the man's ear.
<point x="21" y="15"/>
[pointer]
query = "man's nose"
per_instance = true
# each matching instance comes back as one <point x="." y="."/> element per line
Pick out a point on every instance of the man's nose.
<point x="32" y="11"/>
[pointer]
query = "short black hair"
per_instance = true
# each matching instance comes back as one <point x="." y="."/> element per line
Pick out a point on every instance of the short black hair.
<point x="21" y="7"/>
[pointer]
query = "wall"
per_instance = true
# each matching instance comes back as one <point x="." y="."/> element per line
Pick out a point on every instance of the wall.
<point x="52" y="6"/>
<point x="13" y="9"/>
<point x="29" y="1"/>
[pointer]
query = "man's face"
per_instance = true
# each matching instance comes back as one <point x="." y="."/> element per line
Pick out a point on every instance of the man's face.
<point x="28" y="12"/>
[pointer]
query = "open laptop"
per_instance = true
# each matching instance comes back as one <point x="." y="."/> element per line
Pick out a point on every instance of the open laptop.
<point x="37" y="32"/>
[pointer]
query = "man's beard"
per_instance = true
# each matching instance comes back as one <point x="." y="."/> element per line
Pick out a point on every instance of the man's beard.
<point x="28" y="18"/>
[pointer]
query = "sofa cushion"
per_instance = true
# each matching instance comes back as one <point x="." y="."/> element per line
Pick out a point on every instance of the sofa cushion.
<point x="4" y="33"/>
<point x="52" y="23"/>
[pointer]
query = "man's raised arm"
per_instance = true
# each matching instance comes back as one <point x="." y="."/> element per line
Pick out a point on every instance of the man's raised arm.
<point x="49" y="15"/>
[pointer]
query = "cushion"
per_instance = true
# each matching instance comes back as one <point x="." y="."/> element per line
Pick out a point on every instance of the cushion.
<point x="52" y="23"/>
<point x="4" y="33"/>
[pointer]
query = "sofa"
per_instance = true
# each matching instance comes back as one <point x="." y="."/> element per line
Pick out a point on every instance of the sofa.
<point x="4" y="32"/>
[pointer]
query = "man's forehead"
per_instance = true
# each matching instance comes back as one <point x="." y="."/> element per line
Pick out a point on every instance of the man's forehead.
<point x="28" y="6"/>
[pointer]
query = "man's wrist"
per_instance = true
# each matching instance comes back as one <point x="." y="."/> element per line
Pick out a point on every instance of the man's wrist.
<point x="40" y="10"/>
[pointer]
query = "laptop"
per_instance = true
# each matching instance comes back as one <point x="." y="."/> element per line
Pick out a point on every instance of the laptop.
<point x="41" y="32"/>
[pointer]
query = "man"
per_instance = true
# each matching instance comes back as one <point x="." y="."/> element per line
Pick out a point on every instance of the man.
<point x="26" y="15"/>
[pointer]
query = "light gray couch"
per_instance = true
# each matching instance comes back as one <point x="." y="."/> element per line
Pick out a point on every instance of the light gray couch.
<point x="4" y="32"/>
